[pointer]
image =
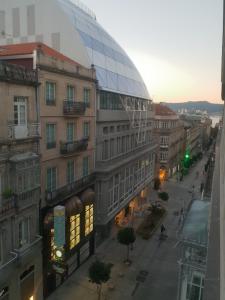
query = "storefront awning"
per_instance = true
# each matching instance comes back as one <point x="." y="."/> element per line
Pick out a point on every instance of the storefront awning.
<point x="73" y="206"/>
<point x="88" y="196"/>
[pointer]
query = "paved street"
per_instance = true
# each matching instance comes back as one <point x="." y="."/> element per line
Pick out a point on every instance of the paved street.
<point x="154" y="271"/>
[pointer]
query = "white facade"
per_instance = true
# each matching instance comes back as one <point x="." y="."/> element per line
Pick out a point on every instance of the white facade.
<point x="75" y="32"/>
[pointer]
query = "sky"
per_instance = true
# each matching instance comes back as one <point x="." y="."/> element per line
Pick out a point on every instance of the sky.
<point x="175" y="44"/>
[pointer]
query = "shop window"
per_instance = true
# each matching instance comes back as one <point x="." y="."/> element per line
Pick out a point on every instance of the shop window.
<point x="52" y="244"/>
<point x="74" y="230"/>
<point x="89" y="213"/>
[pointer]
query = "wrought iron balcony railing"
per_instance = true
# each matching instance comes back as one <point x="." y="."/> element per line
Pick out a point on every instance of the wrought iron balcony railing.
<point x="74" y="108"/>
<point x="67" y="148"/>
<point x="7" y="205"/>
<point x="68" y="190"/>
<point x="23" y="131"/>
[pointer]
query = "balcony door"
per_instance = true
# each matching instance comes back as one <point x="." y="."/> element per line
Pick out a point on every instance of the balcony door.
<point x="70" y="132"/>
<point x="20" y="117"/>
<point x="70" y="93"/>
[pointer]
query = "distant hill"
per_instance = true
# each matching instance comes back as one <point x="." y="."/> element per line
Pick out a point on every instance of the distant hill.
<point x="211" y="108"/>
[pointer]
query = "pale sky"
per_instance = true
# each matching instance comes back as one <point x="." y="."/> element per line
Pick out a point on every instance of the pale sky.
<point x="175" y="44"/>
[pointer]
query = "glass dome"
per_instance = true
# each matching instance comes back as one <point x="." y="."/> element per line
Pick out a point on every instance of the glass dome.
<point x="115" y="71"/>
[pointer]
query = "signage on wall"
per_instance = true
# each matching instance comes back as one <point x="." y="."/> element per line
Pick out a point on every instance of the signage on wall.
<point x="59" y="226"/>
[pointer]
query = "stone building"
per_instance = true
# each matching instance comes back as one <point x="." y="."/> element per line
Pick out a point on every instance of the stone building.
<point x="66" y="101"/>
<point x="170" y="135"/>
<point x="20" y="243"/>
<point x="193" y="134"/>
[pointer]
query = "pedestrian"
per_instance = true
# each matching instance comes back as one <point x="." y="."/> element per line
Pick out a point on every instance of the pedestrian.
<point x="162" y="229"/>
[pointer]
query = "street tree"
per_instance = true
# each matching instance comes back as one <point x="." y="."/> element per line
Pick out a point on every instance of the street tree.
<point x="164" y="196"/>
<point x="126" y="236"/>
<point x="99" y="273"/>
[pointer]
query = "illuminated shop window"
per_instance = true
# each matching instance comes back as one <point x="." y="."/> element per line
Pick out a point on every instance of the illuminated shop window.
<point x="89" y="211"/>
<point x="74" y="230"/>
<point x="53" y="247"/>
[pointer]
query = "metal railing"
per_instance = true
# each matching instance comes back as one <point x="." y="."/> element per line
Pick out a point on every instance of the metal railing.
<point x="73" y="147"/>
<point x="7" y="205"/>
<point x="74" y="108"/>
<point x="68" y="190"/>
<point x="27" y="131"/>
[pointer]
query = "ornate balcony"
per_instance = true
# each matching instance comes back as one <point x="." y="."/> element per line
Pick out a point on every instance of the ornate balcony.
<point x="68" y="190"/>
<point x="74" y="108"/>
<point x="30" y="130"/>
<point x="68" y="148"/>
<point x="7" y="206"/>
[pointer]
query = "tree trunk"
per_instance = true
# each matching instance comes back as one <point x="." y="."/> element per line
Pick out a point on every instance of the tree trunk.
<point x="99" y="290"/>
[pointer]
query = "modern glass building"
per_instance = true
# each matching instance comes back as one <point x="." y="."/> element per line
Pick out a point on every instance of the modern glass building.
<point x="73" y="30"/>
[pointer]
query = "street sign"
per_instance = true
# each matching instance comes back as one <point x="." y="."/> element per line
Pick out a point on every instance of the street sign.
<point x="59" y="226"/>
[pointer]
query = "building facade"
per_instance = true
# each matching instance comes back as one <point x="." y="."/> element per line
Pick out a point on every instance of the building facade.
<point x="20" y="243"/>
<point x="193" y="133"/>
<point x="125" y="158"/>
<point x="67" y="115"/>
<point x="66" y="108"/>
<point x="193" y="251"/>
<point x="125" y="149"/>
<point x="169" y="132"/>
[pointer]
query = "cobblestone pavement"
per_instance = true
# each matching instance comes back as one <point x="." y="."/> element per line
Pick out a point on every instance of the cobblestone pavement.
<point x="153" y="273"/>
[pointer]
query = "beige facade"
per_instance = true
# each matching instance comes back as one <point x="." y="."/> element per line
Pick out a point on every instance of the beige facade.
<point x="63" y="75"/>
<point x="65" y="101"/>
<point x="20" y="244"/>
<point x="169" y="132"/>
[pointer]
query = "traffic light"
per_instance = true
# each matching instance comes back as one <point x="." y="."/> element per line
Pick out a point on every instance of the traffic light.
<point x="187" y="159"/>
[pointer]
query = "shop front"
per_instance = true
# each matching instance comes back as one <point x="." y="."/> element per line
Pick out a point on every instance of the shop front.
<point x="134" y="208"/>
<point x="79" y="240"/>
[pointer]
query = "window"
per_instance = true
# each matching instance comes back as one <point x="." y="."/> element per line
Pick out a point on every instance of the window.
<point x="164" y="140"/>
<point x="89" y="213"/>
<point x="105" y="150"/>
<point x="50" y="89"/>
<point x="70" y="132"/>
<point x="111" y="147"/>
<point x="20" y="111"/>
<point x="86" y="129"/>
<point x="105" y="130"/>
<point x="70" y="93"/>
<point x="195" y="287"/>
<point x="51" y="136"/>
<point x="87" y="94"/>
<point x="24" y="232"/>
<point x="163" y="155"/>
<point x="51" y="179"/>
<point x="74" y="230"/>
<point x="70" y="171"/>
<point x="85" y="166"/>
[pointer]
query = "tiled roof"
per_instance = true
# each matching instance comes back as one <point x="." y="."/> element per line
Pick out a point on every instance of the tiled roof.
<point x="28" y="48"/>
<point x="162" y="110"/>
